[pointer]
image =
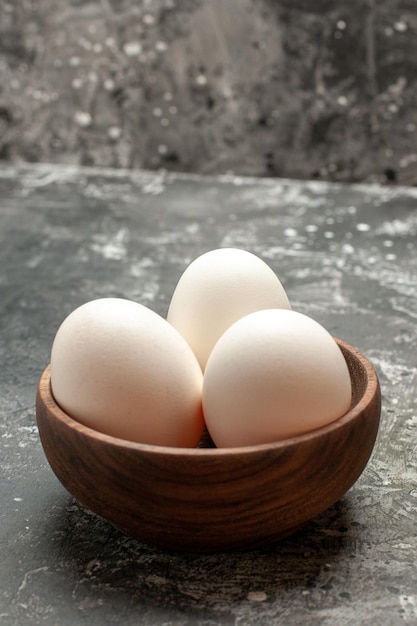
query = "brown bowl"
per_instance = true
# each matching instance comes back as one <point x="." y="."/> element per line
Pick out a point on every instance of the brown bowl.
<point x="209" y="499"/>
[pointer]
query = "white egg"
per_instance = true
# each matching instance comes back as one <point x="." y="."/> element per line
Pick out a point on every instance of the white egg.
<point x="217" y="289"/>
<point x="121" y="369"/>
<point x="273" y="374"/>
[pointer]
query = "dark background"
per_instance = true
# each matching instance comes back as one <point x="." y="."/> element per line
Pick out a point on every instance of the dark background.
<point x="289" y="88"/>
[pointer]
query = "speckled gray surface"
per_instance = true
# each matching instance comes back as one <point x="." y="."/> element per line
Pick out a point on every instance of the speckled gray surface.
<point x="346" y="256"/>
<point x="294" y="88"/>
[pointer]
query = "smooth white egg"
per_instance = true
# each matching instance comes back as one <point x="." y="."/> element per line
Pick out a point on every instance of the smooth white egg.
<point x="273" y="374"/>
<point x="217" y="289"/>
<point x="121" y="369"/>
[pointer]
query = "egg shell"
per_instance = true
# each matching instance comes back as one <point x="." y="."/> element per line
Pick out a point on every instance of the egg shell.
<point x="121" y="369"/>
<point x="273" y="374"/>
<point x="217" y="289"/>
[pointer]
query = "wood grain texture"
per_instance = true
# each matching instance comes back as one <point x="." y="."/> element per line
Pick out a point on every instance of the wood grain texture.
<point x="207" y="499"/>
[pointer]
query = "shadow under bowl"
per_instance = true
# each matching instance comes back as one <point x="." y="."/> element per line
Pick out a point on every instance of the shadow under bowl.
<point x="209" y="499"/>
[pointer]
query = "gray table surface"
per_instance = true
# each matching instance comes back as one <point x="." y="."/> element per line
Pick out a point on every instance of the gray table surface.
<point x="347" y="257"/>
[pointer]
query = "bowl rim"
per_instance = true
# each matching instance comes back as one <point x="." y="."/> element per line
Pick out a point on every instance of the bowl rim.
<point x="45" y="396"/>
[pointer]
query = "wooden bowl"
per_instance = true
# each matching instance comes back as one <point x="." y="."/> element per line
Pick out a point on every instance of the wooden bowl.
<point x="209" y="499"/>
